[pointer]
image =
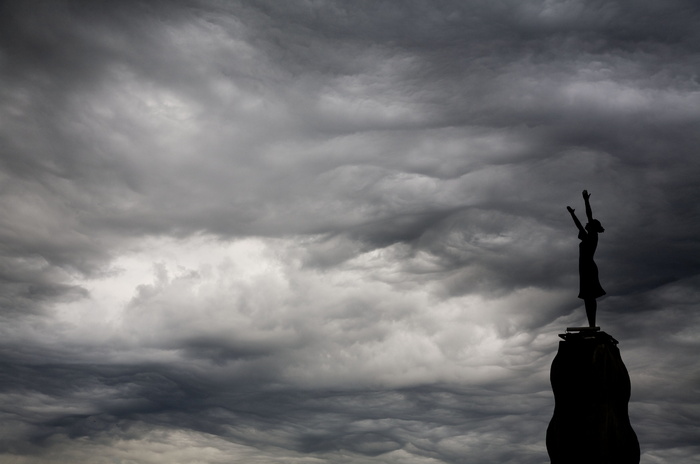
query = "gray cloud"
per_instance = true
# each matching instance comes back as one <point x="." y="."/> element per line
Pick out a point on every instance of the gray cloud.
<point x="288" y="231"/>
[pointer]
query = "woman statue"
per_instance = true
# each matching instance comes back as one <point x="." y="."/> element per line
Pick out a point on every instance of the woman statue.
<point x="589" y="285"/>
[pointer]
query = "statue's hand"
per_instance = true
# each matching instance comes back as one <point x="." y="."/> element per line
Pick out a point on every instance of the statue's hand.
<point x="570" y="209"/>
<point x="586" y="195"/>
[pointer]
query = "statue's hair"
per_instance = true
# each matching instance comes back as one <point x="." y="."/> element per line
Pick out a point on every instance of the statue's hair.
<point x="596" y="225"/>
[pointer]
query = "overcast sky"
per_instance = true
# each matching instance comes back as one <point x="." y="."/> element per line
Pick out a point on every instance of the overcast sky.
<point x="316" y="231"/>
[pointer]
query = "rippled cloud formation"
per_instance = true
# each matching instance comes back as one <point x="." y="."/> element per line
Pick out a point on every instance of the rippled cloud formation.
<point x="333" y="231"/>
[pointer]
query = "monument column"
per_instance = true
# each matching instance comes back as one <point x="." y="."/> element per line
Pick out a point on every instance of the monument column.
<point x="591" y="391"/>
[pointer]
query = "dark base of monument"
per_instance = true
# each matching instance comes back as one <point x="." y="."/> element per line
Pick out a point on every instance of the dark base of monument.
<point x="591" y="391"/>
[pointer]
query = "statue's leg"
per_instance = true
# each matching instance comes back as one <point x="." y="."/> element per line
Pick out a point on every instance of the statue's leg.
<point x="591" y="307"/>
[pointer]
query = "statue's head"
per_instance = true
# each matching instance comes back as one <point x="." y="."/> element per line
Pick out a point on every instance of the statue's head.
<point x="595" y="226"/>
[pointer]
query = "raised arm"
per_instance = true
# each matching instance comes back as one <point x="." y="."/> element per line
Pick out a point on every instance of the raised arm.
<point x="589" y="212"/>
<point x="576" y="221"/>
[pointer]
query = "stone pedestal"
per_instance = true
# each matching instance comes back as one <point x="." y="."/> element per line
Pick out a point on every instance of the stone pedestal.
<point x="591" y="391"/>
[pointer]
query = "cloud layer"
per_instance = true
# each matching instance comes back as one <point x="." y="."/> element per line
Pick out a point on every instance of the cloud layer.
<point x="336" y="231"/>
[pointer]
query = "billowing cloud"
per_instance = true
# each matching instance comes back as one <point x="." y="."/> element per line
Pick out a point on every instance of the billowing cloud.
<point x="336" y="231"/>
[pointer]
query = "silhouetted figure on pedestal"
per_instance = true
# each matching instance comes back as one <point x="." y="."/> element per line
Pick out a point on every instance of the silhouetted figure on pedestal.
<point x="590" y="382"/>
<point x="589" y="285"/>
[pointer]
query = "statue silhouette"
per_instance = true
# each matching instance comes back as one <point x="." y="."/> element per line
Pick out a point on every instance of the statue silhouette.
<point x="589" y="285"/>
<point x="590" y="382"/>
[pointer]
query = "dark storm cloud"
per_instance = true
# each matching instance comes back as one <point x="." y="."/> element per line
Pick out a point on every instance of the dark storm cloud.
<point x="596" y="81"/>
<point x="55" y="168"/>
<point x="99" y="400"/>
<point x="439" y="85"/>
<point x="415" y="157"/>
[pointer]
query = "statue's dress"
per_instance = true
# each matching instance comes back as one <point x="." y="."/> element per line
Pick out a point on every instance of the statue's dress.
<point x="589" y="285"/>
